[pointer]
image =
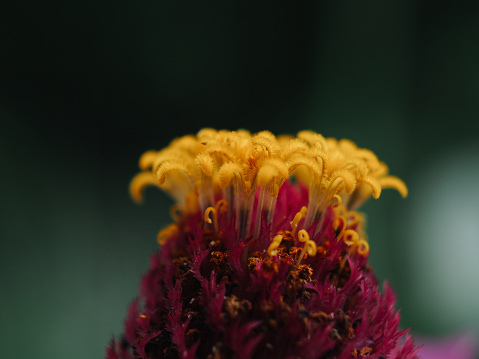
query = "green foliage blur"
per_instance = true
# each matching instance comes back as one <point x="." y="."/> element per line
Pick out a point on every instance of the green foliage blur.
<point x="88" y="86"/>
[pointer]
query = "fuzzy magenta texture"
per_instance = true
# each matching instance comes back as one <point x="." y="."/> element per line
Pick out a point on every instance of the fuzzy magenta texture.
<point x="210" y="295"/>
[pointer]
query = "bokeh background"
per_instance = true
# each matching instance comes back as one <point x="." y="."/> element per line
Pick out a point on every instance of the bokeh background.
<point x="87" y="86"/>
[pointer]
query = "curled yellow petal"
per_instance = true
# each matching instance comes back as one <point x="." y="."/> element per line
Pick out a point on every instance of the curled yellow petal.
<point x="298" y="160"/>
<point x="394" y="182"/>
<point x="147" y="159"/>
<point x="227" y="172"/>
<point x="205" y="162"/>
<point x="168" y="168"/>
<point x="269" y="144"/>
<point x="374" y="184"/>
<point x="139" y="182"/>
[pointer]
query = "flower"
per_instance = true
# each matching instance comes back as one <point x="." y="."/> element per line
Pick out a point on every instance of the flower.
<point x="267" y="255"/>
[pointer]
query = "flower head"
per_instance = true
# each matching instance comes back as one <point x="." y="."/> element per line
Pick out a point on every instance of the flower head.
<point x="267" y="255"/>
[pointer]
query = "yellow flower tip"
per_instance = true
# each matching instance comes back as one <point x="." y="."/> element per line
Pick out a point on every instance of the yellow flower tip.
<point x="375" y="186"/>
<point x="142" y="316"/>
<point x="167" y="168"/>
<point x="272" y="169"/>
<point x="396" y="183"/>
<point x="147" y="159"/>
<point x="138" y="184"/>
<point x="227" y="172"/>
<point x="167" y="233"/>
<point x="205" y="163"/>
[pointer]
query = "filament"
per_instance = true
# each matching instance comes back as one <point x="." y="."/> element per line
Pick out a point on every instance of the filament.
<point x="309" y="246"/>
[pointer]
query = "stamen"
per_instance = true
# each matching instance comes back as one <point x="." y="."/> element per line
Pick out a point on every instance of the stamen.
<point x="294" y="223"/>
<point x="221" y="206"/>
<point x="363" y="247"/>
<point x="309" y="246"/>
<point x="353" y="218"/>
<point x="273" y="247"/>
<point x="176" y="213"/>
<point x="205" y="185"/>
<point x="339" y="222"/>
<point x="351" y="237"/>
<point x="142" y="316"/>
<point x="168" y="232"/>
<point x="338" y="201"/>
<point x="215" y="217"/>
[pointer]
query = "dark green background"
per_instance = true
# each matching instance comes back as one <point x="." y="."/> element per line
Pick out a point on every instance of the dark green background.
<point x="87" y="86"/>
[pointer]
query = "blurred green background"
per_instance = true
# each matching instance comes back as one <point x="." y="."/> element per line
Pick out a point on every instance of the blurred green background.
<point x="87" y="86"/>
